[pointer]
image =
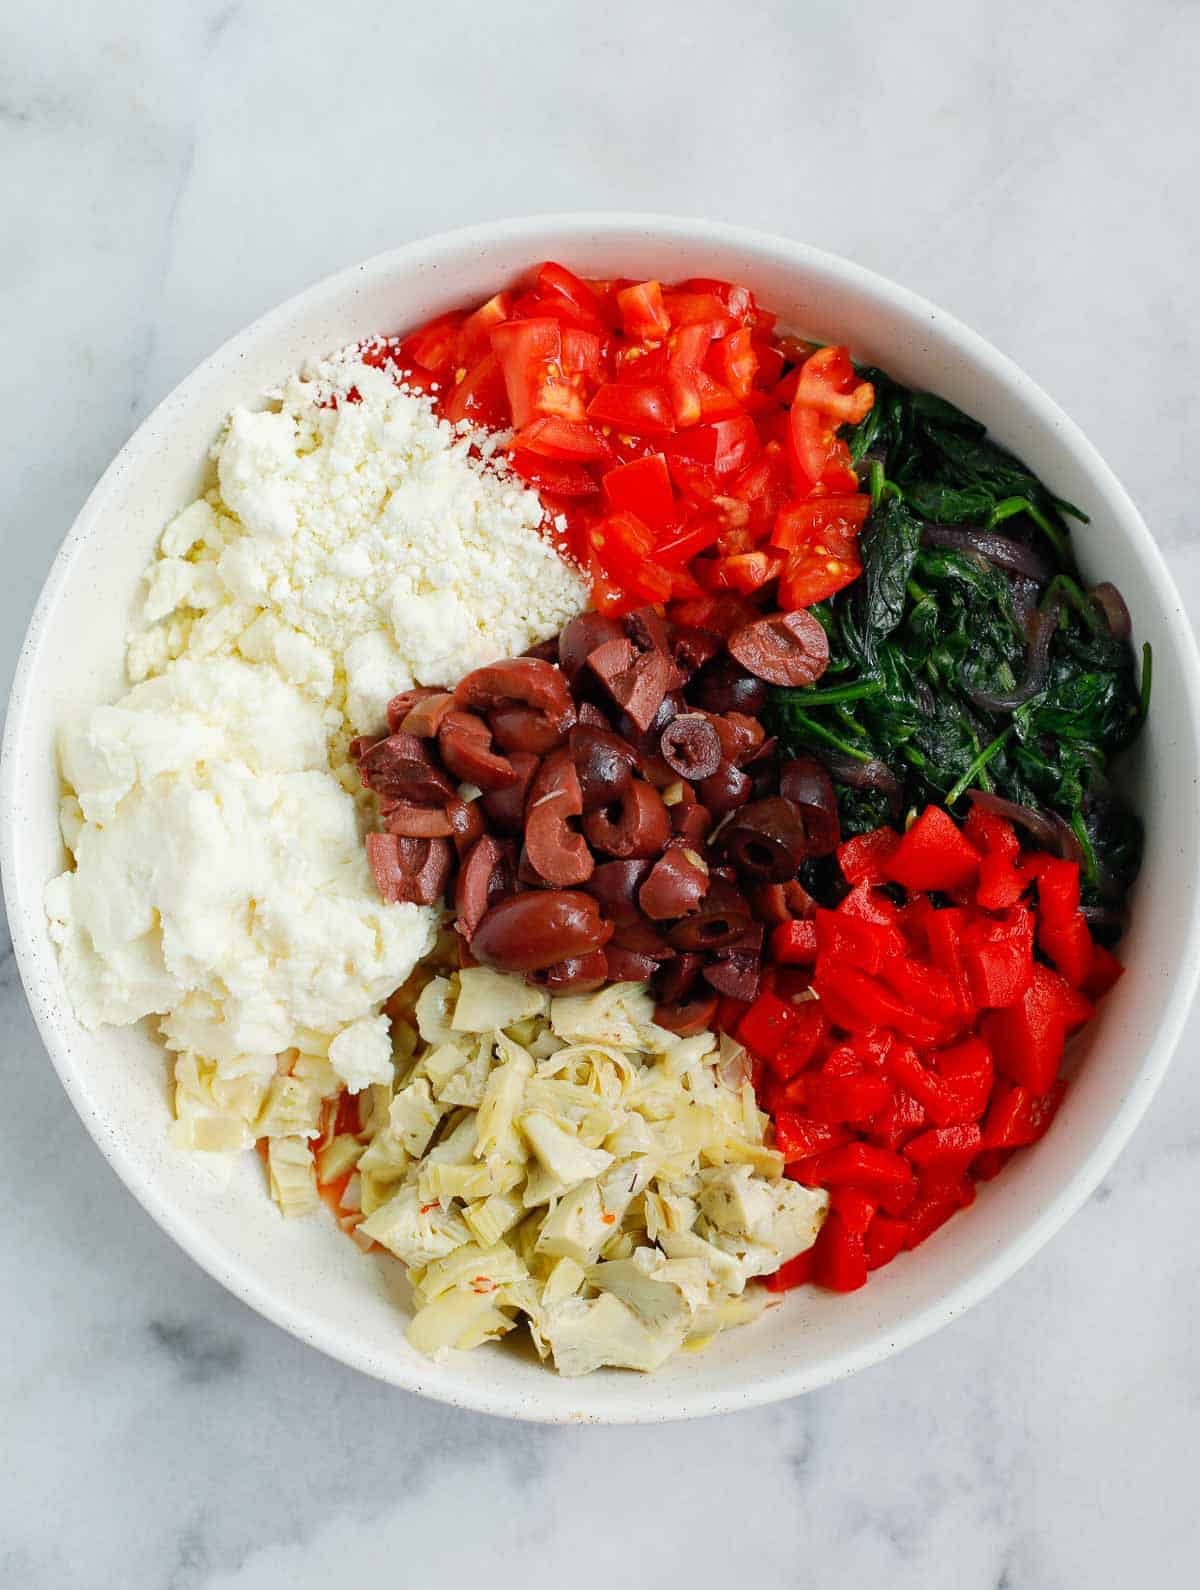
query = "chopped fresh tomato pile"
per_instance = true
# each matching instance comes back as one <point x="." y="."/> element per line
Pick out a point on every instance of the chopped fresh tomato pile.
<point x="685" y="449"/>
<point x="946" y="985"/>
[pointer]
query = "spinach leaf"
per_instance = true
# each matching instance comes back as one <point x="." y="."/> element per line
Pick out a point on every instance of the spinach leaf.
<point x="925" y="628"/>
<point x="888" y="547"/>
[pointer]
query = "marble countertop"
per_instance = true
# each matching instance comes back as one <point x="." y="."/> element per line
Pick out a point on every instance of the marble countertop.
<point x="171" y="170"/>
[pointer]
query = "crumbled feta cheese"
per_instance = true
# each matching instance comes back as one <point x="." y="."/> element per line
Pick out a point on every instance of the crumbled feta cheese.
<point x="362" y="1053"/>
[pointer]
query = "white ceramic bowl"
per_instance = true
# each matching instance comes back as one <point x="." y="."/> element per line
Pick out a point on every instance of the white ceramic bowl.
<point x="304" y="1275"/>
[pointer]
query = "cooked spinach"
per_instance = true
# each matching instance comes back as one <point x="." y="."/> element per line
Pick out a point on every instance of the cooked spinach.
<point x="929" y="630"/>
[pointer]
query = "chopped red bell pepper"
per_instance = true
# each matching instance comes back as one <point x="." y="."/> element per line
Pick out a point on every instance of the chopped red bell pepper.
<point x="796" y="1272"/>
<point x="794" y="943"/>
<point x="765" y="1026"/>
<point x="1058" y="889"/>
<point x="839" y="1256"/>
<point x="1068" y="944"/>
<point x="1105" y="970"/>
<point x="858" y="1002"/>
<point x="903" y="1118"/>
<point x="936" y="1201"/>
<point x="799" y="1138"/>
<point x="948" y="1149"/>
<point x="1018" y="1117"/>
<point x="838" y="1099"/>
<point x="933" y="854"/>
<point x="856" y="1208"/>
<point x="861" y="1164"/>
<point x="886" y="1237"/>
<point x="1027" y="1038"/>
<point x="966" y="1074"/>
<point x="802" y="1037"/>
<point x="864" y="859"/>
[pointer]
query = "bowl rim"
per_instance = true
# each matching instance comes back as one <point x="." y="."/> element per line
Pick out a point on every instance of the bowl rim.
<point x="667" y="1401"/>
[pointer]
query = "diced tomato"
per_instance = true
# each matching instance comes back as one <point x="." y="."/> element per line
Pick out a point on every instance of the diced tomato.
<point x="688" y="308"/>
<point x="582" y="351"/>
<point x="749" y="571"/>
<point x="474" y="335"/>
<point x="642" y="408"/>
<point x="723" y="447"/>
<point x="643" y="313"/>
<point x="557" y="475"/>
<point x="530" y="355"/>
<point x="808" y="522"/>
<point x="565" y="439"/>
<point x="828" y="383"/>
<point x="642" y="487"/>
<point x="480" y="397"/>
<point x="555" y="279"/>
<point x="624" y="547"/>
<point x="733" y="361"/>
<point x="681" y="545"/>
<point x="435" y="344"/>
<point x="817" y="455"/>
<point x="814" y="573"/>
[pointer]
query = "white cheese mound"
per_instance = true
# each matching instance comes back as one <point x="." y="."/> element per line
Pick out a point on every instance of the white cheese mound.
<point x="355" y="544"/>
<point x="220" y="879"/>
<point x="358" y="547"/>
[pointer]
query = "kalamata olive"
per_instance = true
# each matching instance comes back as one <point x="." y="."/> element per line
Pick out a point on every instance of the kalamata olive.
<point x="528" y="875"/>
<point x="678" y="977"/>
<point x="400" y="706"/>
<point x="726" y="790"/>
<point x="555" y="850"/>
<point x="584" y="635"/>
<point x="465" y="745"/>
<point x="519" y="681"/>
<point x="589" y="716"/>
<point x="411" y="870"/>
<point x="546" y="650"/>
<point x="690" y="745"/>
<point x="506" y="807"/>
<point x="685" y="1021"/>
<point x="484" y="877"/>
<point x="615" y="885"/>
<point x="400" y="766"/>
<point x="722" y="918"/>
<point x="425" y="717"/>
<point x="361" y="744"/>
<point x="647" y="629"/>
<point x="627" y="966"/>
<point x="636" y="681"/>
<point x="646" y="741"/>
<point x="604" y="763"/>
<point x="748" y="735"/>
<point x="692" y="648"/>
<point x="637" y="826"/>
<point x="805" y="782"/>
<point x="643" y="938"/>
<point x="766" y="839"/>
<point x="774" y="903"/>
<point x="529" y="932"/>
<point x="690" y="825"/>
<point x="723" y="686"/>
<point x="675" y="887"/>
<point x="580" y="974"/>
<point x="655" y="771"/>
<point x="783" y="648"/>
<point x="737" y="976"/>
<point x="466" y="824"/>
<point x="417" y="822"/>
<point x="526" y="729"/>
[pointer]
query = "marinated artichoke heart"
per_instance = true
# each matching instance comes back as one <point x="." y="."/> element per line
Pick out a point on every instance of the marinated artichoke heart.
<point x="566" y="1163"/>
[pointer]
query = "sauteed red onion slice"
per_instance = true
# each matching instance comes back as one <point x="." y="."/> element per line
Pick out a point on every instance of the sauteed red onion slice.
<point x="1037" y="665"/>
<point x="1004" y="551"/>
<point x="1112" y="604"/>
